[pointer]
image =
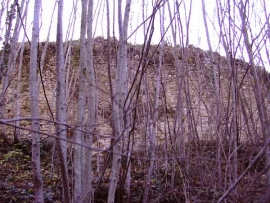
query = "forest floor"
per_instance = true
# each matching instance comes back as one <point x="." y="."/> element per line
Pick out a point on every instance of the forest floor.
<point x="16" y="183"/>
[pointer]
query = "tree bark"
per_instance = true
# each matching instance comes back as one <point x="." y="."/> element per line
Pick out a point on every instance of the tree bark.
<point x="88" y="194"/>
<point x="61" y="105"/>
<point x="119" y="98"/>
<point x="38" y="183"/>
<point x="78" y="134"/>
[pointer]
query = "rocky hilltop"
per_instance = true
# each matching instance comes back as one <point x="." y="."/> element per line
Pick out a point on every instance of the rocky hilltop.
<point x="193" y="65"/>
<point x="195" y="153"/>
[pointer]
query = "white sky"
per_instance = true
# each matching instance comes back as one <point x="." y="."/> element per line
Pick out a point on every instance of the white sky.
<point x="197" y="36"/>
<point x="197" y="33"/>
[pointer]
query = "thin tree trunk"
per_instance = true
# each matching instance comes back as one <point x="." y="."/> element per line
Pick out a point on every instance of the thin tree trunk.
<point x="38" y="183"/>
<point x="258" y="93"/>
<point x="178" y="124"/>
<point x="3" y="8"/>
<point x="6" y="49"/>
<point x="154" y="123"/>
<point x="14" y="50"/>
<point x="18" y="92"/>
<point x="44" y="50"/>
<point x="78" y="134"/>
<point x="61" y="105"/>
<point x="229" y="54"/>
<point x="217" y="99"/>
<point x="7" y="54"/>
<point x="119" y="98"/>
<point x="88" y="194"/>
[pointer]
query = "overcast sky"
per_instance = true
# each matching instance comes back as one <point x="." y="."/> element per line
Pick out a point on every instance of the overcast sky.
<point x="197" y="32"/>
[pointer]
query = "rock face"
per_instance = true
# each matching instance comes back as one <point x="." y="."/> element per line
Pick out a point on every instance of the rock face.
<point x="192" y="65"/>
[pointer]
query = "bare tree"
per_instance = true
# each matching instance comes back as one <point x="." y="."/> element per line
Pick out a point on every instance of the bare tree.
<point x="87" y="194"/>
<point x="61" y="105"/>
<point x="23" y="11"/>
<point x="153" y="119"/>
<point x="45" y="48"/>
<point x="217" y="97"/>
<point x="263" y="115"/>
<point x="10" y="54"/>
<point x="191" y="124"/>
<point x="6" y="46"/>
<point x="230" y="49"/>
<point x="38" y="183"/>
<point x="18" y="92"/>
<point x="119" y="98"/>
<point x="78" y="134"/>
<point x="4" y="5"/>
